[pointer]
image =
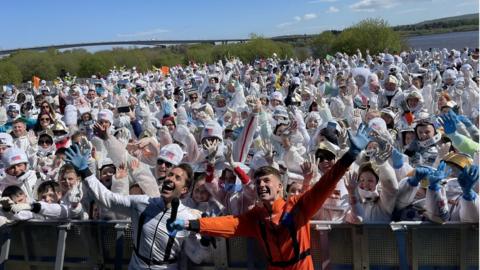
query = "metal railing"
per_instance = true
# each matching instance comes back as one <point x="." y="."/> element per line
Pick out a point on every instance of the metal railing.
<point x="108" y="245"/>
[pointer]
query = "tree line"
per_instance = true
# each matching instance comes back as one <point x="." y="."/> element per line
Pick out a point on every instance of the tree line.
<point x="373" y="34"/>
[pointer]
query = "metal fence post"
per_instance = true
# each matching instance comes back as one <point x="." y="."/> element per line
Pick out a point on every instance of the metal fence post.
<point x="60" y="255"/>
<point x="324" y="230"/>
<point x="401" y="236"/>
<point x="119" y="244"/>
<point x="5" y="247"/>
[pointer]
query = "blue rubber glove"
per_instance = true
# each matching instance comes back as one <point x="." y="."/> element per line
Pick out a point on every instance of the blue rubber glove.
<point x="76" y="158"/>
<point x="467" y="179"/>
<point x="174" y="227"/>
<point x="420" y="173"/>
<point x="449" y="122"/>
<point x="397" y="159"/>
<point x="464" y="120"/>
<point x="434" y="179"/>
<point x="359" y="141"/>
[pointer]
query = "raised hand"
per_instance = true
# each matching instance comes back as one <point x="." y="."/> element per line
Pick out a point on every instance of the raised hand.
<point x="467" y="179"/>
<point x="100" y="131"/>
<point x="442" y="172"/>
<point x="75" y="195"/>
<point x="134" y="164"/>
<point x="212" y="148"/>
<point x="229" y="156"/>
<point x="448" y="122"/>
<point x="121" y="171"/>
<point x="76" y="158"/>
<point x="397" y="159"/>
<point x="309" y="167"/>
<point x="351" y="182"/>
<point x="267" y="149"/>
<point x="359" y="141"/>
<point x="384" y="154"/>
<point x="421" y="172"/>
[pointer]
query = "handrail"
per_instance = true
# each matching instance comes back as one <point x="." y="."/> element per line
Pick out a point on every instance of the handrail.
<point x="405" y="245"/>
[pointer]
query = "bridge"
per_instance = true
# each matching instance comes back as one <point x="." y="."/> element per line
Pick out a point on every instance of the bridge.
<point x="150" y="43"/>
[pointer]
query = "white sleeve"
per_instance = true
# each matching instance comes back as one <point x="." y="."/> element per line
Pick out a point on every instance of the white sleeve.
<point x="54" y="210"/>
<point x="405" y="169"/>
<point x="389" y="191"/>
<point x="115" y="202"/>
<point x="436" y="206"/>
<point x="468" y="210"/>
<point x="406" y="194"/>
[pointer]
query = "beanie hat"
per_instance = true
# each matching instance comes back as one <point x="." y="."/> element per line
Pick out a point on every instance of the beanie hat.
<point x="14" y="156"/>
<point x="171" y="153"/>
<point x="276" y="96"/>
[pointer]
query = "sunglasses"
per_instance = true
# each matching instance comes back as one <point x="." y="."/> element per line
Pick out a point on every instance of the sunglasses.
<point x="45" y="142"/>
<point x="322" y="157"/>
<point x="45" y="119"/>
<point x="167" y="164"/>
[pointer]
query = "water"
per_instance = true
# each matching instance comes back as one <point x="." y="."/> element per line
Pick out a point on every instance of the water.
<point x="454" y="40"/>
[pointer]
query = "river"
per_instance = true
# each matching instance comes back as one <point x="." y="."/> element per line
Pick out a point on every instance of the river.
<point x="454" y="40"/>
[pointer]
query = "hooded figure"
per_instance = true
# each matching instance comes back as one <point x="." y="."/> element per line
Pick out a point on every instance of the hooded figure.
<point x="369" y="204"/>
<point x="17" y="173"/>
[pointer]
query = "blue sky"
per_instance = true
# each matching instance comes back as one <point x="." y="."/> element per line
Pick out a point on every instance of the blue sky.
<point x="36" y="23"/>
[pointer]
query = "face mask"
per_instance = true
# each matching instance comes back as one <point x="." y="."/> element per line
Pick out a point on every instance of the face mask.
<point x="232" y="187"/>
<point x="368" y="195"/>
<point x="44" y="152"/>
<point x="390" y="93"/>
<point x="429" y="142"/>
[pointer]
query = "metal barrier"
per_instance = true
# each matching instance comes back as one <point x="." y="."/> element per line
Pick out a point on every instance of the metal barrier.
<point x="108" y="245"/>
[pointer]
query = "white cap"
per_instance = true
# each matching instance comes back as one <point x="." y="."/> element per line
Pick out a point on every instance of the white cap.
<point x="171" y="153"/>
<point x="14" y="156"/>
<point x="212" y="129"/>
<point x="449" y="74"/>
<point x="13" y="107"/>
<point x="105" y="162"/>
<point x="6" y="139"/>
<point x="377" y="123"/>
<point x="277" y="96"/>
<point x="105" y="115"/>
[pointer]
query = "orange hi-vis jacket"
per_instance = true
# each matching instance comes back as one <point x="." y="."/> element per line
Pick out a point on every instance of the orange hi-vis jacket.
<point x="286" y="243"/>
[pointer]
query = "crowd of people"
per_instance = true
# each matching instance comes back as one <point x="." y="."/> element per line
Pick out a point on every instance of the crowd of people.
<point x="209" y="134"/>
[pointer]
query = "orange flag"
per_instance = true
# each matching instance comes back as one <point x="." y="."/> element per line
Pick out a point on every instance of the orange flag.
<point x="36" y="82"/>
<point x="165" y="70"/>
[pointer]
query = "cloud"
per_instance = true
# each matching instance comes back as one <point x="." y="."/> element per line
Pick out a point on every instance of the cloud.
<point x="285" y="24"/>
<point x="309" y="16"/>
<point x="321" y="1"/>
<point x="373" y="5"/>
<point x="298" y="19"/>
<point x="144" y="33"/>
<point x="332" y="9"/>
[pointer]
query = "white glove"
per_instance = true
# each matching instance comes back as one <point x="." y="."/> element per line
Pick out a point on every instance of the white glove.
<point x="75" y="195"/>
<point x="21" y="207"/>
<point x="6" y="202"/>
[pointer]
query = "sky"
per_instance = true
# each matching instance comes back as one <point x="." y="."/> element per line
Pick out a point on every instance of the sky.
<point x="26" y="24"/>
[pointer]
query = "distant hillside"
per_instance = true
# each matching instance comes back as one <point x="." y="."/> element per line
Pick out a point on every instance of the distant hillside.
<point x="462" y="23"/>
<point x="467" y="22"/>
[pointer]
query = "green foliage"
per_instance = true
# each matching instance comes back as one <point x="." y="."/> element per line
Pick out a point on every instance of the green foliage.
<point x="34" y="64"/>
<point x="92" y="65"/>
<point x="373" y="34"/>
<point x="322" y="44"/>
<point x="9" y="73"/>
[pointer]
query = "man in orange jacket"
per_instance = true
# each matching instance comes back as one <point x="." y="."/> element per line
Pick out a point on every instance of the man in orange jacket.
<point x="282" y="227"/>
